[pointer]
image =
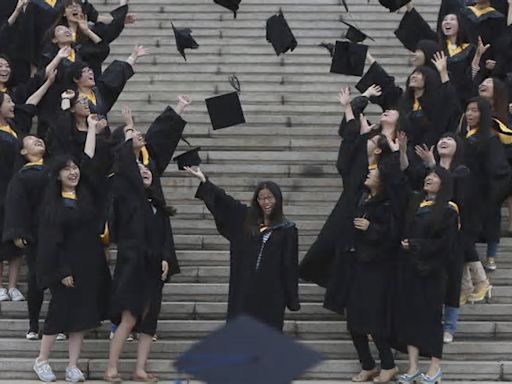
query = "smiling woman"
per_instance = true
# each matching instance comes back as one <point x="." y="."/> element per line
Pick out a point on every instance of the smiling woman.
<point x="263" y="250"/>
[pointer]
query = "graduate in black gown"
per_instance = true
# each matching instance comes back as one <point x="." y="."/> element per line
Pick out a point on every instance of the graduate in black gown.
<point x="372" y="269"/>
<point x="141" y="228"/>
<point x="490" y="179"/>
<point x="429" y="107"/>
<point x="23" y="201"/>
<point x="15" y="120"/>
<point x="264" y="276"/>
<point x="70" y="259"/>
<point x="429" y="236"/>
<point x="358" y="153"/>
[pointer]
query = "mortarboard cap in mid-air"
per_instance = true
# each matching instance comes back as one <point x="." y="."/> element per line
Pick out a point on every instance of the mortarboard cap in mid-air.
<point x="354" y="34"/>
<point x="378" y="76"/>
<point x="189" y="158"/>
<point x="226" y="110"/>
<point x="232" y="5"/>
<point x="393" y="5"/>
<point x="412" y="29"/>
<point x="184" y="40"/>
<point x="249" y="352"/>
<point x="279" y="34"/>
<point x="349" y="58"/>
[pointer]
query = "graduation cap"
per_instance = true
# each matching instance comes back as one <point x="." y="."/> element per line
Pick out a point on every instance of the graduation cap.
<point x="345" y="4"/>
<point x="390" y="92"/>
<point x="349" y="58"/>
<point x="232" y="5"/>
<point x="393" y="5"/>
<point x="279" y="34"/>
<point x="226" y="110"/>
<point x="189" y="158"/>
<point x="249" y="352"/>
<point x="184" y="40"/>
<point x="354" y="34"/>
<point x="412" y="29"/>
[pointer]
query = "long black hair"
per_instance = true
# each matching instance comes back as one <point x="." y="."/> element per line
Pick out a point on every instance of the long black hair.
<point x="429" y="48"/>
<point x="458" y="156"/>
<point x="486" y="123"/>
<point x="499" y="100"/>
<point x="52" y="200"/>
<point x="432" y="85"/>
<point x="60" y="19"/>
<point x="462" y="34"/>
<point x="255" y="216"/>
<point x="9" y="80"/>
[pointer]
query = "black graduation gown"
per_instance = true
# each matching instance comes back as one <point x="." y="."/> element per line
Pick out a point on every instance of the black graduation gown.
<point x="69" y="245"/>
<point x="459" y="70"/>
<point x="144" y="240"/>
<point x="373" y="269"/>
<point x="488" y="185"/>
<point x="489" y="26"/>
<point x="352" y="165"/>
<point x="439" y="113"/>
<point x="464" y="249"/>
<point x="9" y="161"/>
<point x="263" y="292"/>
<point x="422" y="282"/>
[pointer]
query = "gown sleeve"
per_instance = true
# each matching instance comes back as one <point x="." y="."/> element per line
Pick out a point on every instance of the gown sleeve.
<point x="110" y="32"/>
<point x="51" y="263"/>
<point x="348" y="147"/>
<point x="112" y="82"/>
<point x="23" y="116"/>
<point x="163" y="136"/>
<point x="291" y="269"/>
<point x="229" y="213"/>
<point x="17" y="222"/>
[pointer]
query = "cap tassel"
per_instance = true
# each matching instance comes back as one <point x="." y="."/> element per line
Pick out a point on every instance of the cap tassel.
<point x="235" y="83"/>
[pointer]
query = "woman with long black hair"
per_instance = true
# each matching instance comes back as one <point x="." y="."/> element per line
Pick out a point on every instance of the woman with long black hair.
<point x="264" y="273"/>
<point x="71" y="261"/>
<point x="489" y="180"/>
<point x="428" y="242"/>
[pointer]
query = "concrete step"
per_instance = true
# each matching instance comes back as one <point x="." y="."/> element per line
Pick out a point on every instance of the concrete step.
<point x="327" y="370"/>
<point x="331" y="349"/>
<point x="200" y="310"/>
<point x="304" y="330"/>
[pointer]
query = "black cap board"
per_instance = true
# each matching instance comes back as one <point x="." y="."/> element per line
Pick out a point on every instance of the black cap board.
<point x="232" y="5"/>
<point x="412" y="29"/>
<point x="354" y="34"/>
<point x="279" y="34"/>
<point x="189" y="158"/>
<point x="247" y="351"/>
<point x="345" y="5"/>
<point x="184" y="40"/>
<point x="390" y="92"/>
<point x="393" y="5"/>
<point x="225" y="110"/>
<point x="349" y="58"/>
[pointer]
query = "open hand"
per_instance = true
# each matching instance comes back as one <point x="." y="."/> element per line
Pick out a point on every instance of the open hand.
<point x="361" y="223"/>
<point x="196" y="172"/>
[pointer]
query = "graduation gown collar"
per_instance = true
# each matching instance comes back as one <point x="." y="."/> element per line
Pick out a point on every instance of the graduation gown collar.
<point x="7" y="129"/>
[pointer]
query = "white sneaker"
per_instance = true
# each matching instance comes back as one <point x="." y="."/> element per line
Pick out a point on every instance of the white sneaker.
<point x="31" y="335"/>
<point x="44" y="371"/>
<point x="61" y="337"/>
<point x="111" y="336"/>
<point x="74" y="375"/>
<point x="4" y="295"/>
<point x="447" y="338"/>
<point x="16" y="295"/>
<point x="130" y="337"/>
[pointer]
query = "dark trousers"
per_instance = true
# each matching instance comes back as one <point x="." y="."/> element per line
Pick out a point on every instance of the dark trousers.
<point x="365" y="356"/>
<point x="34" y="293"/>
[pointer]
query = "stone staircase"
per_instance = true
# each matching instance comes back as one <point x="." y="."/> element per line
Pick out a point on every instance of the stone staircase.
<point x="290" y="137"/>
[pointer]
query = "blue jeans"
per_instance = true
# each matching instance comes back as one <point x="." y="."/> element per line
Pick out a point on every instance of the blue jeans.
<point x="451" y="317"/>
<point x="492" y="249"/>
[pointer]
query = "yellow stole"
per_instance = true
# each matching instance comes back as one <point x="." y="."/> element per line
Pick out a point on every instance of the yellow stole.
<point x="416" y="105"/>
<point x="69" y="195"/>
<point x="40" y="162"/>
<point x="145" y="156"/>
<point x="480" y="12"/>
<point x="89" y="96"/>
<point x="7" y="129"/>
<point x="51" y="3"/>
<point x="454" y="50"/>
<point x="372" y="166"/>
<point x="72" y="55"/>
<point x="4" y="89"/>
<point x="455" y="207"/>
